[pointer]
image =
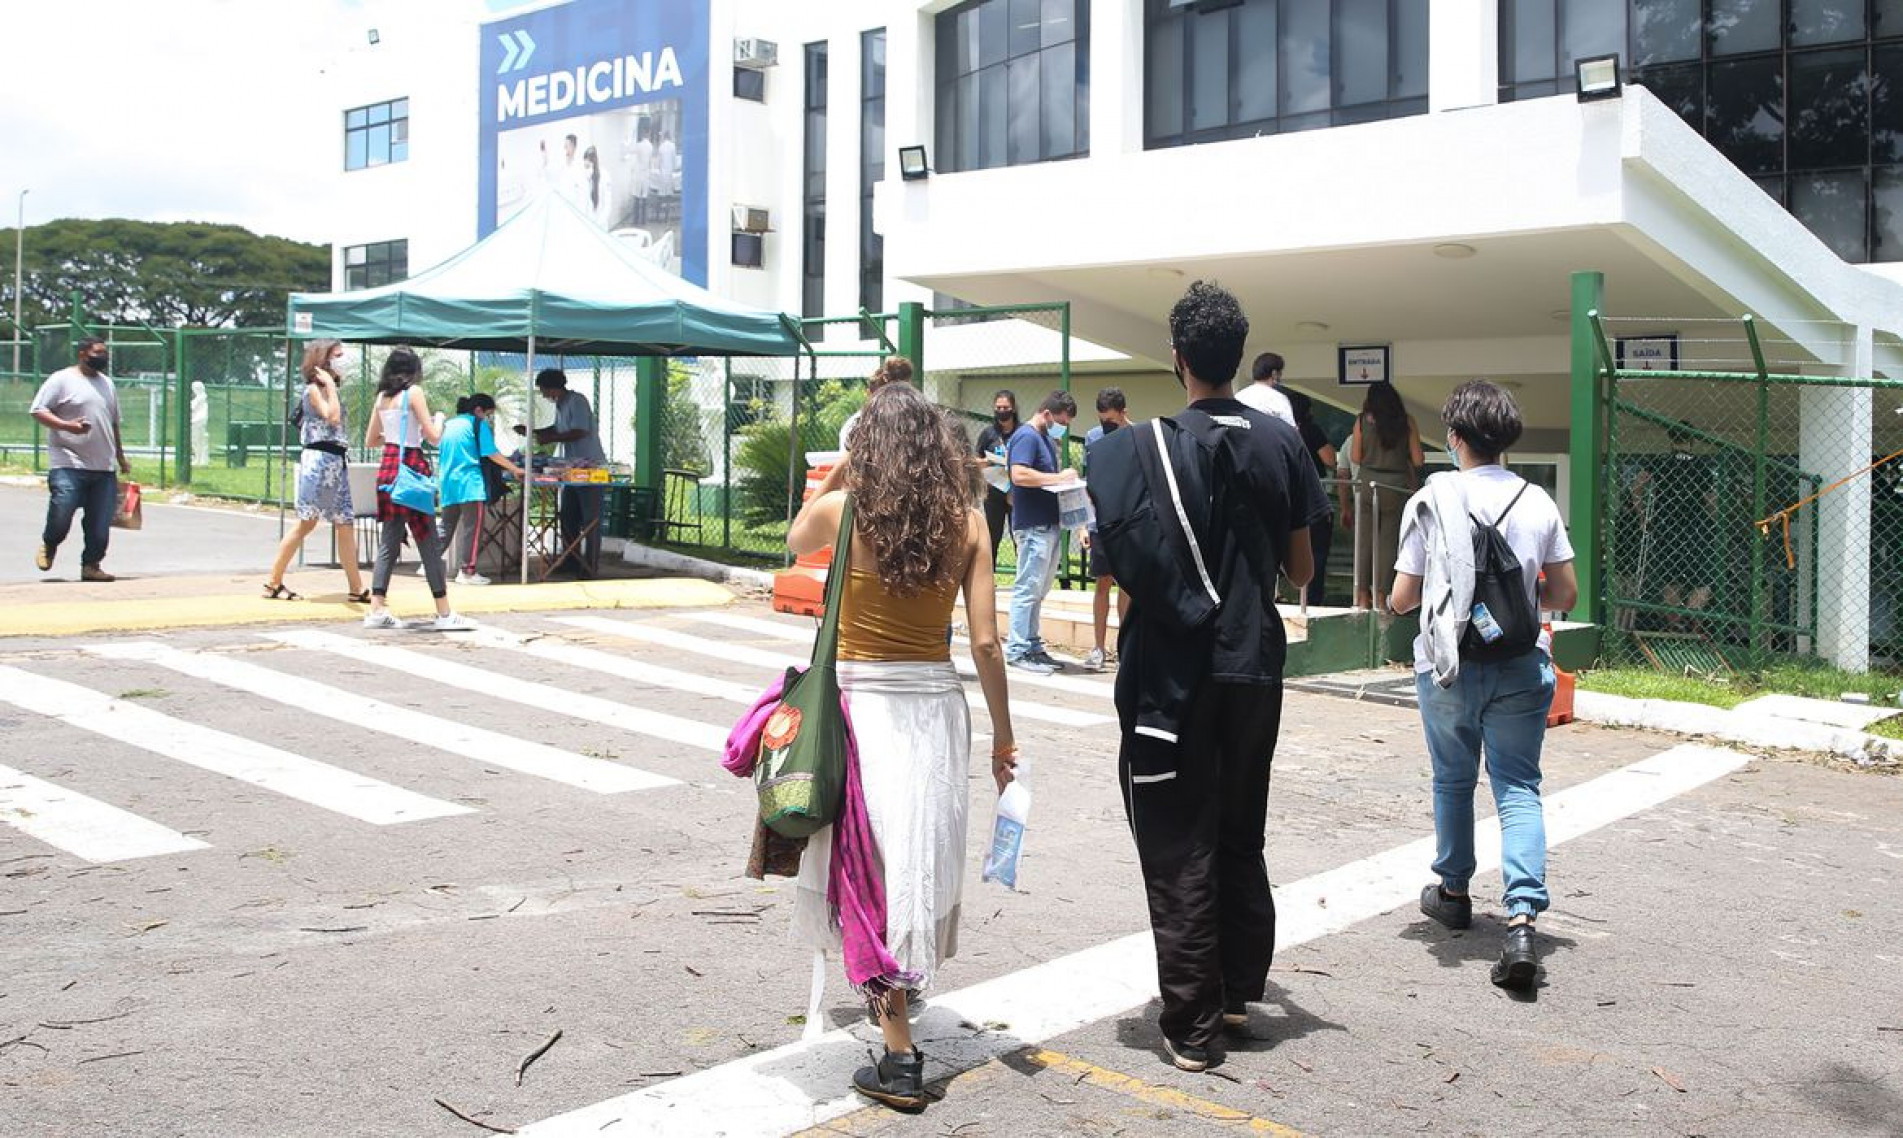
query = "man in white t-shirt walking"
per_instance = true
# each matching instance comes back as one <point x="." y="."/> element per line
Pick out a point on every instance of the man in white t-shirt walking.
<point x="1263" y="394"/>
<point x="80" y="410"/>
<point x="1473" y="700"/>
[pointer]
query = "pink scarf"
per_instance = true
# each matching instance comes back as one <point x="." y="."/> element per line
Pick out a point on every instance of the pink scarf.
<point x="855" y="889"/>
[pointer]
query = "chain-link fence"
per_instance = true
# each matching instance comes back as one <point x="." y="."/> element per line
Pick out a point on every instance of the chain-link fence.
<point x="1744" y="520"/>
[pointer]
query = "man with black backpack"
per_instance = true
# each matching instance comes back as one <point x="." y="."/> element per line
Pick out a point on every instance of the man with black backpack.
<point x="1197" y="513"/>
<point x="1474" y="545"/>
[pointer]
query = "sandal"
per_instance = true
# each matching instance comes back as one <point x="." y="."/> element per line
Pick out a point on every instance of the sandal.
<point x="361" y="597"/>
<point x="279" y="592"/>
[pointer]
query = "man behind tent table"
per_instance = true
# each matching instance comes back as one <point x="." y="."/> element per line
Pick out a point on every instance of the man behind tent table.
<point x="574" y="430"/>
<point x="80" y="410"/>
<point x="1199" y="692"/>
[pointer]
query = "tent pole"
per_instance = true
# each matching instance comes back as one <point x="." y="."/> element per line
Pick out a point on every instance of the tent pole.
<point x="528" y="450"/>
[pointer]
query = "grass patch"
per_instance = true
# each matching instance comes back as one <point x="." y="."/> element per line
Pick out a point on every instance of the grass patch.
<point x="1810" y="681"/>
<point x="1642" y="683"/>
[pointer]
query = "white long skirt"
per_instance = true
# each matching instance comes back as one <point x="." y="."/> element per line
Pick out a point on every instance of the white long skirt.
<point x="914" y="732"/>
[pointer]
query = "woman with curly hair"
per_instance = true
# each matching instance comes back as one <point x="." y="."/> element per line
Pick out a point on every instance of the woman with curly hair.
<point x="917" y="540"/>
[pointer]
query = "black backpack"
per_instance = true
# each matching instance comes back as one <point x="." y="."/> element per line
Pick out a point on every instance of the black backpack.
<point x="1504" y="624"/>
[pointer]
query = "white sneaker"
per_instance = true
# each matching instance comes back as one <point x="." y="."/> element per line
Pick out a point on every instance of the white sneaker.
<point x="1094" y="661"/>
<point x="471" y="579"/>
<point x="381" y="618"/>
<point x="453" y="622"/>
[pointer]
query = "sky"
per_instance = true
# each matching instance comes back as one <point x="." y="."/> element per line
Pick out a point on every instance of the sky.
<point x="186" y="110"/>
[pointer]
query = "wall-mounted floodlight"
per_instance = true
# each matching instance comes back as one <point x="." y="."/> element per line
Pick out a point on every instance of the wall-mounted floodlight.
<point x="1598" y="77"/>
<point x="912" y="165"/>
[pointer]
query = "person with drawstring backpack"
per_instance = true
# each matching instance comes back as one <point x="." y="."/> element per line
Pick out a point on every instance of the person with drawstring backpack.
<point x="1473" y="545"/>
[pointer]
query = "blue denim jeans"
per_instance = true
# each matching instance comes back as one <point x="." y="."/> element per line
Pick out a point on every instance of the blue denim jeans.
<point x="1037" y="568"/>
<point x="69" y="491"/>
<point x="1498" y="708"/>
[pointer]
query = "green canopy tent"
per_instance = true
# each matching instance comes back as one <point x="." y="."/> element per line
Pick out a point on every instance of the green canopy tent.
<point x="548" y="280"/>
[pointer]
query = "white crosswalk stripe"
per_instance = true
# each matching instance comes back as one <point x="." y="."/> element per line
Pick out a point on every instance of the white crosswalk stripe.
<point x="1095" y="689"/>
<point x="545" y="697"/>
<point x="264" y="766"/>
<point x="556" y="651"/>
<point x="778" y="662"/>
<point x="84" y="827"/>
<point x="471" y="742"/>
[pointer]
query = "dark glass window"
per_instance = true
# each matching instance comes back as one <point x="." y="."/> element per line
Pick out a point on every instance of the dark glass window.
<point x="813" y="186"/>
<point x="1216" y="71"/>
<point x="1804" y="96"/>
<point x="749" y="83"/>
<point x="377" y="135"/>
<point x="1829" y="109"/>
<point x="1012" y="83"/>
<point x="379" y="263"/>
<point x="871" y="166"/>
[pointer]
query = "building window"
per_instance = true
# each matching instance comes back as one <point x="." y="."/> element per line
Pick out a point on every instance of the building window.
<point x="749" y="83"/>
<point x="1237" y="70"/>
<point x="813" y="187"/>
<point x="871" y="166"/>
<point x="1802" y="95"/>
<point x="379" y="263"/>
<point x="1013" y="83"/>
<point x="377" y="135"/>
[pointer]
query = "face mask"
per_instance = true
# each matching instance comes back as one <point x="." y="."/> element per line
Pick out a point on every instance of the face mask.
<point x="98" y="361"/>
<point x="336" y="363"/>
<point x="1108" y="425"/>
<point x="1002" y="417"/>
<point x="1059" y="430"/>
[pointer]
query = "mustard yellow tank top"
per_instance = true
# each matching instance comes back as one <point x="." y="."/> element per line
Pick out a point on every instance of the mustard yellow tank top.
<point x="875" y="625"/>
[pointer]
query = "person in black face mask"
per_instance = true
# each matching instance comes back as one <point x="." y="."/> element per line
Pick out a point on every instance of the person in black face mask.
<point x="1111" y="416"/>
<point x="80" y="410"/>
<point x="992" y="443"/>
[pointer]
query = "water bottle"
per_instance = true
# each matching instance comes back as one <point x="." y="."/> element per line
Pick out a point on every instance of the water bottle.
<point x="1483" y="622"/>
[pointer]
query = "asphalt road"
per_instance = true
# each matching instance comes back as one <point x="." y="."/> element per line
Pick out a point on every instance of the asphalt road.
<point x="176" y="539"/>
<point x="327" y="959"/>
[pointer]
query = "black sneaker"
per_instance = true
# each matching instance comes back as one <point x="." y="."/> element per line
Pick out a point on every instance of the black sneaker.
<point x="1454" y="912"/>
<point x="896" y="1080"/>
<point x="1046" y="659"/>
<point x="1519" y="963"/>
<point x="1186" y="1056"/>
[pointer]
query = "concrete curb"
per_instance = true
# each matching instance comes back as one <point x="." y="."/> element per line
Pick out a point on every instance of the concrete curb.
<point x="680" y="564"/>
<point x="1735" y="725"/>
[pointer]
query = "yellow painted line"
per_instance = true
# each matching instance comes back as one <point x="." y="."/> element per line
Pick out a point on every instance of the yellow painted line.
<point x="408" y="600"/>
<point x="874" y="1119"/>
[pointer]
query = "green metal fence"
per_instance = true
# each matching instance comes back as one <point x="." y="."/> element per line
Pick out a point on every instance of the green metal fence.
<point x="1742" y="525"/>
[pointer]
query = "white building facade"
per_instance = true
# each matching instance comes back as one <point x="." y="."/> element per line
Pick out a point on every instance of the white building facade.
<point x="1418" y="176"/>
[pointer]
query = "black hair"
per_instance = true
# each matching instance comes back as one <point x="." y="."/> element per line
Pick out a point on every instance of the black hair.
<point x="1006" y="393"/>
<point x="1485" y="417"/>
<point x="403" y="368"/>
<point x="551" y="377"/>
<point x="1266" y="365"/>
<point x="479" y="401"/>
<point x="1298" y="402"/>
<point x="1208" y="329"/>
<point x="1110" y="399"/>
<point x="1382" y="404"/>
<point x="87" y="344"/>
<point x="1059" y="403"/>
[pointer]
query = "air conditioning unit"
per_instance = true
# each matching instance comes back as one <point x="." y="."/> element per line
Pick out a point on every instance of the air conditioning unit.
<point x="750" y="219"/>
<point x="755" y="53"/>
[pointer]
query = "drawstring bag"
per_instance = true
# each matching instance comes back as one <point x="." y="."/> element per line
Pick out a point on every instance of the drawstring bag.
<point x="410" y="490"/>
<point x="801" y="772"/>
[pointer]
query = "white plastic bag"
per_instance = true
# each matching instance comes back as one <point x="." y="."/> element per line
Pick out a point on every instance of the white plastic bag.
<point x="1007" y="832"/>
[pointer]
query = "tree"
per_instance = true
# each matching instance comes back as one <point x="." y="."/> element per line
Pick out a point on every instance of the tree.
<point x="167" y="274"/>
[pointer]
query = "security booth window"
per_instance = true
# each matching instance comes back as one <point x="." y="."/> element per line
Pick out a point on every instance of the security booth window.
<point x="379" y="263"/>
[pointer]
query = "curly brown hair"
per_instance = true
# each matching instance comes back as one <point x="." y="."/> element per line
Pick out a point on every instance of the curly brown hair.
<point x="912" y="490"/>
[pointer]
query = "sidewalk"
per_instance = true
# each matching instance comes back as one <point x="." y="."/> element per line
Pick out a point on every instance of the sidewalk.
<point x="63" y="607"/>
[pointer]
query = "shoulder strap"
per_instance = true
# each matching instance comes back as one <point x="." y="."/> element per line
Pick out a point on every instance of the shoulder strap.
<point x="402" y="423"/>
<point x="826" y="644"/>
<point x="1182" y="513"/>
<point x="1503" y="513"/>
